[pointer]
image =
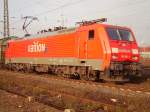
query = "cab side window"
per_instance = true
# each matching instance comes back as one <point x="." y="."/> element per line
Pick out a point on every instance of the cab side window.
<point x="91" y="34"/>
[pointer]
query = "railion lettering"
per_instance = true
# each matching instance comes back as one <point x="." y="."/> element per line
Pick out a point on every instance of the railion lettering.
<point x="36" y="47"/>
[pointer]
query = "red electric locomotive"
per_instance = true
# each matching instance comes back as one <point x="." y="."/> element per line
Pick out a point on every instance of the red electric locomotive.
<point x="91" y="51"/>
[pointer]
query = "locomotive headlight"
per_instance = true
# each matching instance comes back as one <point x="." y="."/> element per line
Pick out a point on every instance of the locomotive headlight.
<point x="135" y="51"/>
<point x="115" y="50"/>
<point x="114" y="56"/>
<point x="135" y="58"/>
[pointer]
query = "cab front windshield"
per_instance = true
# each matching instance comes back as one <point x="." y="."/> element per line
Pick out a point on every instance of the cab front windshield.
<point x="119" y="34"/>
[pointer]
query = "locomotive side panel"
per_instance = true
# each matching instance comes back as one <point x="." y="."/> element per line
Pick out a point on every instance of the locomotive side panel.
<point x="42" y="50"/>
<point x="75" y="49"/>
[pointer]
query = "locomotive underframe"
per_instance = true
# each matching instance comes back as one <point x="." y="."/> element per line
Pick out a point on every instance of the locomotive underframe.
<point x="117" y="72"/>
<point x="124" y="70"/>
<point x="79" y="72"/>
<point x="124" y="66"/>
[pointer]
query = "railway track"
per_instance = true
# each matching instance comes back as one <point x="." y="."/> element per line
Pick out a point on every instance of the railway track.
<point x="130" y="89"/>
<point x="58" y="108"/>
<point x="125" y="90"/>
<point x="19" y="102"/>
<point x="134" y="88"/>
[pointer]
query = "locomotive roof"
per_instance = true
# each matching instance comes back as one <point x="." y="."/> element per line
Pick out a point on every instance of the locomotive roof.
<point x="63" y="31"/>
<point x="52" y="33"/>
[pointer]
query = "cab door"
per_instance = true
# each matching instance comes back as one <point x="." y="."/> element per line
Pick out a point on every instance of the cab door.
<point x="88" y="44"/>
<point x="82" y="44"/>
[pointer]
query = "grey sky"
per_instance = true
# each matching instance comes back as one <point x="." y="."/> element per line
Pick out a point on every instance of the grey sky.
<point x="131" y="13"/>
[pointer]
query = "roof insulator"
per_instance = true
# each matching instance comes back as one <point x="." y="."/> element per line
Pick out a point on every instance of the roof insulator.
<point x="83" y="23"/>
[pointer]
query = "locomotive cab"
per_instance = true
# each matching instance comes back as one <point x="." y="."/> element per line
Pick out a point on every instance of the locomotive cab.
<point x="111" y="51"/>
<point x="124" y="52"/>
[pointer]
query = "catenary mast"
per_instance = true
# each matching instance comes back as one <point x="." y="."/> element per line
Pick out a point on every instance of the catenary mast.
<point x="6" y="19"/>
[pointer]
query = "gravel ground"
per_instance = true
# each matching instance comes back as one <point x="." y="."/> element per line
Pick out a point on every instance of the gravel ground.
<point x="13" y="103"/>
<point x="77" y="95"/>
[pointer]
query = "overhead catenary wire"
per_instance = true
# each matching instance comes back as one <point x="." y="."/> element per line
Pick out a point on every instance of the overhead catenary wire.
<point x="79" y="1"/>
<point x="52" y="10"/>
<point x="59" y="7"/>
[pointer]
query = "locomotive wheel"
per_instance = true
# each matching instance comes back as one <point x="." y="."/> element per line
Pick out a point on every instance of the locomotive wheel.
<point x="75" y="75"/>
<point x="84" y="77"/>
